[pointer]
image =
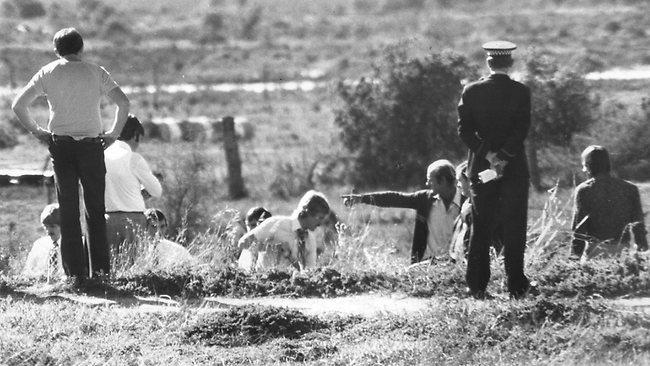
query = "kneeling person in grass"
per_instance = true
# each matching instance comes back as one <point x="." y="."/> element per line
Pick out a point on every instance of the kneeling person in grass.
<point x="606" y="210"/>
<point x="436" y="207"/>
<point x="165" y="253"/>
<point x="285" y="241"/>
<point x="44" y="259"/>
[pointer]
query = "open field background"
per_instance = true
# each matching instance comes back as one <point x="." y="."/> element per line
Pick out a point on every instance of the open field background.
<point x="295" y="146"/>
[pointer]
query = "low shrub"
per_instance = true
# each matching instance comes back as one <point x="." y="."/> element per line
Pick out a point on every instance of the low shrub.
<point x="249" y="325"/>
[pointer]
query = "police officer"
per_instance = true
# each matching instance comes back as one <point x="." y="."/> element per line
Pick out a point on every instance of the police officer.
<point x="494" y="117"/>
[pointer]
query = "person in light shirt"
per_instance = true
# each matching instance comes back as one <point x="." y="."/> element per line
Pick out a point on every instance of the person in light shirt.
<point x="74" y="89"/>
<point x="44" y="259"/>
<point x="127" y="173"/>
<point x="436" y="207"/>
<point x="286" y="241"/>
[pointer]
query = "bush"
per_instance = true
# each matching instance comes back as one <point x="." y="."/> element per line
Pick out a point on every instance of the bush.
<point x="561" y="107"/>
<point x="27" y="8"/>
<point x="7" y="136"/>
<point x="401" y="118"/>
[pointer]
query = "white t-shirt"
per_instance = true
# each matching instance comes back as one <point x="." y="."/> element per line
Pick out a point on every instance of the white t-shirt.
<point x="126" y="173"/>
<point x="73" y="90"/>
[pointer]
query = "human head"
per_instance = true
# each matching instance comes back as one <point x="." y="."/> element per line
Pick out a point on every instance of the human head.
<point x="255" y="216"/>
<point x="67" y="41"/>
<point x="441" y="177"/>
<point x="51" y="220"/>
<point x="499" y="54"/>
<point x="156" y="221"/>
<point x="595" y="161"/>
<point x="462" y="179"/>
<point x="312" y="209"/>
<point x="132" y="130"/>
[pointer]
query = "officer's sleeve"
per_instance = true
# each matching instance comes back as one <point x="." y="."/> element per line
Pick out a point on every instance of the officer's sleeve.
<point x="466" y="124"/>
<point x="580" y="224"/>
<point x="518" y="134"/>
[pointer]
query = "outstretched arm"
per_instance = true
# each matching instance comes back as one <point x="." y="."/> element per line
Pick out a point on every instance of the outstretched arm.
<point x="384" y="199"/>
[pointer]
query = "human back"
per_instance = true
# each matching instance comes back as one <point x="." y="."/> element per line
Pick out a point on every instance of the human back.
<point x="74" y="89"/>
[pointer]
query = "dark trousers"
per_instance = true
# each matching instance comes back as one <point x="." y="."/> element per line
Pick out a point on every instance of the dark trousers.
<point x="74" y="162"/>
<point x="499" y="216"/>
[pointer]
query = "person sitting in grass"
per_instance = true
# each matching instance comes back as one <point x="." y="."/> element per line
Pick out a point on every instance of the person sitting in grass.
<point x="285" y="241"/>
<point x="44" y="259"/>
<point x="166" y="253"/>
<point x="606" y="210"/>
<point x="462" y="225"/>
<point x="436" y="208"/>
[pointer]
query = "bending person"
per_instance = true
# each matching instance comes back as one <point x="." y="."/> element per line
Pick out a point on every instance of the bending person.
<point x="285" y="241"/>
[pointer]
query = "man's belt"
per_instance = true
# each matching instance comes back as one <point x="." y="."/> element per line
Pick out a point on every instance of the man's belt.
<point x="63" y="138"/>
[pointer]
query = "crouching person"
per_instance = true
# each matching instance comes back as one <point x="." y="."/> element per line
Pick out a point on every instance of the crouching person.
<point x="285" y="241"/>
<point x="44" y="259"/>
<point x="165" y="253"/>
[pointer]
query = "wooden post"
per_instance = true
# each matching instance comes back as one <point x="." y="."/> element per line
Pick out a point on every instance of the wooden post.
<point x="235" y="181"/>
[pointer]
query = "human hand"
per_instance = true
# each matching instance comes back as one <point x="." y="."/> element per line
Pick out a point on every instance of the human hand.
<point x="499" y="166"/>
<point x="491" y="156"/>
<point x="350" y="200"/>
<point x="109" y="138"/>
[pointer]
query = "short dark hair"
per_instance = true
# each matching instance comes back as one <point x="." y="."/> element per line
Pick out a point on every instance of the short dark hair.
<point x="257" y="214"/>
<point x="154" y="217"/>
<point x="596" y="159"/>
<point x="67" y="41"/>
<point x="132" y="128"/>
<point x="500" y="61"/>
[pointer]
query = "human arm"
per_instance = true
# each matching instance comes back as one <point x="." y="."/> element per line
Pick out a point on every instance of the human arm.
<point x="20" y="106"/>
<point x="385" y="199"/>
<point x="638" y="228"/>
<point x="145" y="176"/>
<point x="467" y="125"/>
<point x="580" y="223"/>
<point x="117" y="96"/>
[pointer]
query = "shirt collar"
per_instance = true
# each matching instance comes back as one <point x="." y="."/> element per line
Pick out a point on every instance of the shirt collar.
<point x="456" y="200"/>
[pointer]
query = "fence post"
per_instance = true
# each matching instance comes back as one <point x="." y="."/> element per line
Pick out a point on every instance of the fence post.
<point x="235" y="181"/>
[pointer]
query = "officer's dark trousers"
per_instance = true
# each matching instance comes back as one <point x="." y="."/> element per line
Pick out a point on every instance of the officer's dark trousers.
<point x="74" y="162"/>
<point x="499" y="214"/>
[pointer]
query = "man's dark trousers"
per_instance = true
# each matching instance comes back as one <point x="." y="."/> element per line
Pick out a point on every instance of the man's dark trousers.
<point x="75" y="161"/>
<point x="499" y="214"/>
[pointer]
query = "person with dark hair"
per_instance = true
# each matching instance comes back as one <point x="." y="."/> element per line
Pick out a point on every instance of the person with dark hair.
<point x="436" y="210"/>
<point x="44" y="259"/>
<point x="126" y="173"/>
<point x="606" y="210"/>
<point x="74" y="89"/>
<point x="285" y="241"/>
<point x="493" y="122"/>
<point x="255" y="216"/>
<point x="165" y="253"/>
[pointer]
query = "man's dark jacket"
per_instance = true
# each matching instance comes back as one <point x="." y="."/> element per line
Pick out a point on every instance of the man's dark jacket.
<point x="488" y="126"/>
<point x="420" y="201"/>
<point x="604" y="209"/>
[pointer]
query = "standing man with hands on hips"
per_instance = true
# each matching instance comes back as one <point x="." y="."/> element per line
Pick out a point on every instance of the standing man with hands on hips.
<point x="493" y="122"/>
<point x="74" y="88"/>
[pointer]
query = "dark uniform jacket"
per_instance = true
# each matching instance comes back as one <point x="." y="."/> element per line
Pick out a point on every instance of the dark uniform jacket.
<point x="604" y="207"/>
<point x="485" y="125"/>
<point x="421" y="202"/>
